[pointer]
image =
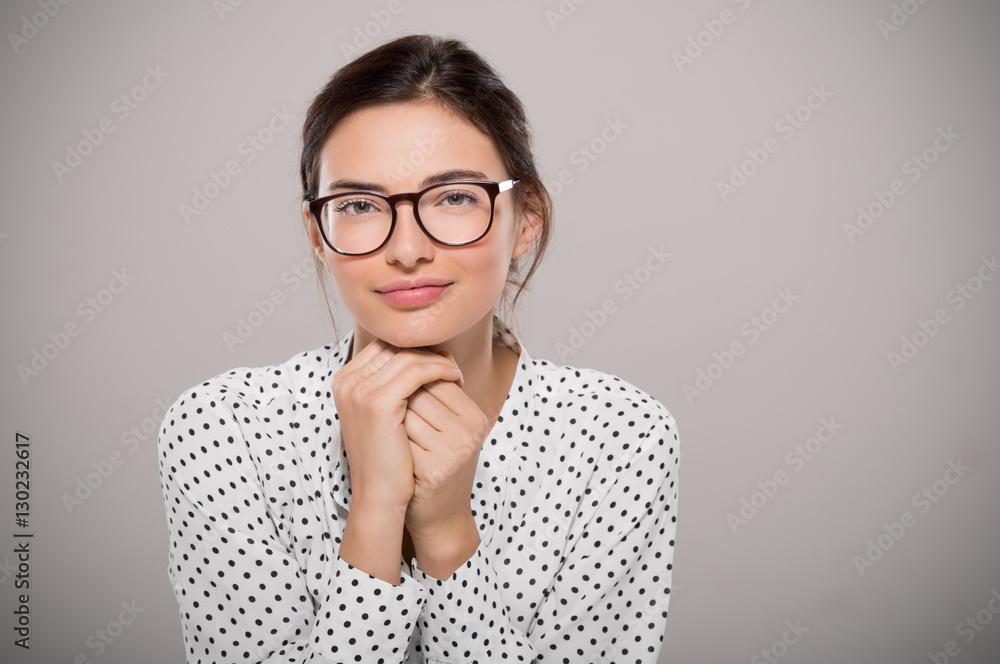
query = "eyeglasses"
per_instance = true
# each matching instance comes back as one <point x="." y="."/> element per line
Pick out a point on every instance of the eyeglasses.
<point x="455" y="213"/>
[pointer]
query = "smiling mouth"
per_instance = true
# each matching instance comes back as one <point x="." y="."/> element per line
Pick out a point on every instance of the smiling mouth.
<point x="414" y="297"/>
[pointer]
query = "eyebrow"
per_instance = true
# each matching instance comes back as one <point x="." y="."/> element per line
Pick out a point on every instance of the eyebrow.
<point x="443" y="176"/>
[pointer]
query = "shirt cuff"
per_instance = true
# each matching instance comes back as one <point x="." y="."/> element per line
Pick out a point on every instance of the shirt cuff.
<point x="464" y="614"/>
<point x="363" y="618"/>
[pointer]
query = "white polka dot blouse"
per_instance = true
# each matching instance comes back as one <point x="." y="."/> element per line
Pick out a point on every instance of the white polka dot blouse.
<point x="575" y="499"/>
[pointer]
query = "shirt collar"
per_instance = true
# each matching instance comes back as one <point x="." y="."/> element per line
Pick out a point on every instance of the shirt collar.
<point x="497" y="451"/>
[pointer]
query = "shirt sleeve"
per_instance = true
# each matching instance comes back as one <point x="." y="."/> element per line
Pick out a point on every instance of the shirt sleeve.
<point x="242" y="593"/>
<point x="608" y="601"/>
<point x="465" y="618"/>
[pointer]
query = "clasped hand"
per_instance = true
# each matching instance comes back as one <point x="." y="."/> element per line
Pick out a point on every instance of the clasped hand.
<point x="412" y="436"/>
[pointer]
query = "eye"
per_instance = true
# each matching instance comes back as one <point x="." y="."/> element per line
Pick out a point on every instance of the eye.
<point x="355" y="207"/>
<point x="458" y="198"/>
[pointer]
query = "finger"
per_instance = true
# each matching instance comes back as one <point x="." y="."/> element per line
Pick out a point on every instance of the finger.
<point x="430" y="407"/>
<point x="420" y="431"/>
<point x="447" y="353"/>
<point x="451" y="396"/>
<point x="408" y="370"/>
<point x="368" y="360"/>
<point x="365" y="354"/>
<point x="462" y="406"/>
<point x="420" y="457"/>
<point x="360" y="360"/>
<point x="379" y="359"/>
<point x="451" y="358"/>
<point x="421" y="461"/>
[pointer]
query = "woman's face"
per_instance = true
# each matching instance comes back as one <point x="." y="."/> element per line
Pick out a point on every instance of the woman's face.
<point x="395" y="148"/>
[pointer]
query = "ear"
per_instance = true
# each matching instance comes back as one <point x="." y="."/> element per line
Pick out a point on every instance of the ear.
<point x="315" y="239"/>
<point x="527" y="234"/>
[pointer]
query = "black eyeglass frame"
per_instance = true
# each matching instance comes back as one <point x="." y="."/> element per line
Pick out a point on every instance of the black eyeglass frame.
<point x="493" y="189"/>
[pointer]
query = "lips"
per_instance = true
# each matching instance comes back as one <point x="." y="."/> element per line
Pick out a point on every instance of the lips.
<point x="414" y="297"/>
<point x="408" y="284"/>
<point x="414" y="292"/>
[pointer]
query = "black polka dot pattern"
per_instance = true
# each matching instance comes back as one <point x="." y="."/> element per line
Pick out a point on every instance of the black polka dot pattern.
<point x="575" y="498"/>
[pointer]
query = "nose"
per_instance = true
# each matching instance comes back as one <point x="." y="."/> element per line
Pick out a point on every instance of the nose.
<point x="408" y="244"/>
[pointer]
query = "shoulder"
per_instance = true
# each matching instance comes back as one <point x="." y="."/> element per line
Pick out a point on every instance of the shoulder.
<point x="598" y="392"/>
<point x="255" y="386"/>
<point x="270" y="391"/>
<point x="602" y="408"/>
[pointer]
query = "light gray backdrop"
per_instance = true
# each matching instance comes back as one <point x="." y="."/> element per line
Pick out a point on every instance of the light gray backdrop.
<point x="833" y="371"/>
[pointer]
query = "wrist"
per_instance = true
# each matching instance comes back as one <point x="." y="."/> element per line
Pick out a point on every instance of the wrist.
<point x="377" y="509"/>
<point x="442" y="549"/>
<point x="372" y="540"/>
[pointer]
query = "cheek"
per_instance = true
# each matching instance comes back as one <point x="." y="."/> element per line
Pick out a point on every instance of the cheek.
<point x="486" y="270"/>
<point x="348" y="275"/>
<point x="487" y="263"/>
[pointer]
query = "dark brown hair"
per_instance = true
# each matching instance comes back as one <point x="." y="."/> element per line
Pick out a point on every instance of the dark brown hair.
<point x="427" y="68"/>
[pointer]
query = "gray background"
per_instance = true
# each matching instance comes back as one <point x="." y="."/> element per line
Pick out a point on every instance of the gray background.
<point x="655" y="185"/>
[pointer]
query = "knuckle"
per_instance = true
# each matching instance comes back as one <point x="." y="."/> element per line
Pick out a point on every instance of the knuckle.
<point x="377" y="402"/>
<point x="470" y="441"/>
<point x="340" y="382"/>
<point x="369" y="369"/>
<point x="435" y="477"/>
<point x="482" y="429"/>
<point x="412" y="372"/>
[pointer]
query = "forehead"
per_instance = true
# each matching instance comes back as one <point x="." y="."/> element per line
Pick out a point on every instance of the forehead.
<point x="401" y="143"/>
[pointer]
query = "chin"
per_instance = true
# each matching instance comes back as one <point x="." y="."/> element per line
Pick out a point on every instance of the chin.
<point x="415" y="335"/>
<point x="413" y="341"/>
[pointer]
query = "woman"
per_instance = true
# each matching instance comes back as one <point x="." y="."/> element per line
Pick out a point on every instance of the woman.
<point x="423" y="490"/>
